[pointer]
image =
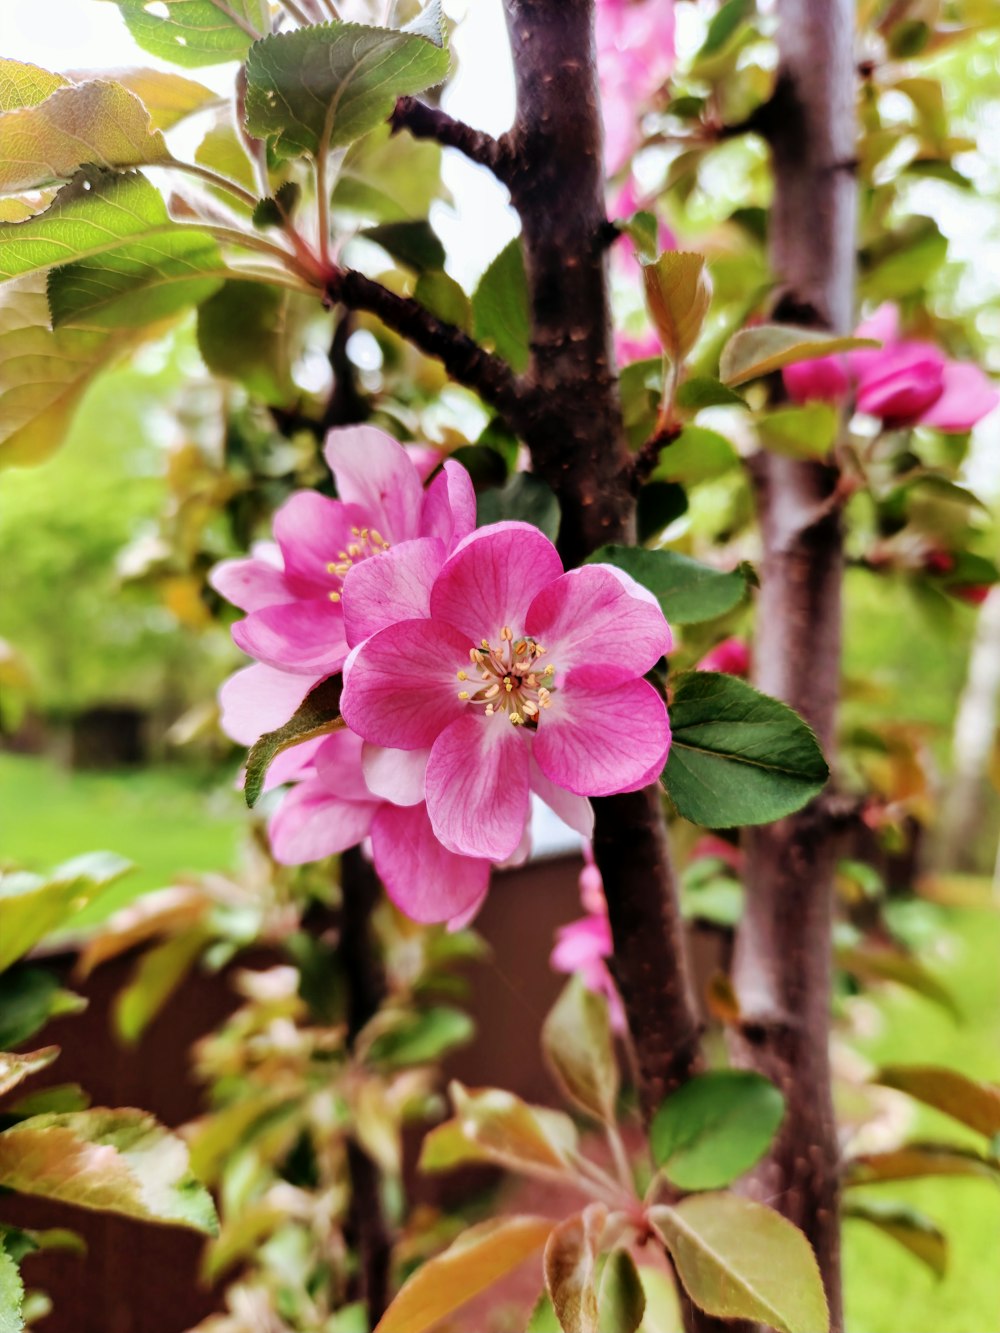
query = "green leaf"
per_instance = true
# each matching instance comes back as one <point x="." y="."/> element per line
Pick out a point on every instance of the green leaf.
<point x="482" y="1256"/>
<point x="698" y="454"/>
<point x="715" y="1128"/>
<point x="660" y="502"/>
<point x="914" y="1160"/>
<point x="29" y="997"/>
<point x="159" y="973"/>
<point x="723" y="26"/>
<point x="444" y="297"/>
<point x="169" y="98"/>
<point x="323" y="87"/>
<point x="807" y="431"/>
<point x="419" y="1037"/>
<point x="908" y="1227"/>
<point x="621" y="1301"/>
<point x="643" y="230"/>
<point x="525" y="498"/>
<point x="703" y="391"/>
<point x="196" y="32"/>
<point x="24" y="85"/>
<point x="765" y="348"/>
<point x="430" y="23"/>
<point x="902" y="261"/>
<point x="414" y="243"/>
<point x="11" y="1294"/>
<point x="276" y="209"/>
<point x="740" y="1260"/>
<point x="33" y="905"/>
<point x="878" y="963"/>
<point x="111" y="1161"/>
<point x="570" y="1262"/>
<point x="254" y="334"/>
<point x="500" y="311"/>
<point x="974" y="1104"/>
<point x="543" y="1317"/>
<point x="14" y="1069"/>
<point x="738" y="757"/>
<point x="688" y="591"/>
<point x="98" y="123"/>
<point x="511" y="1133"/>
<point x="389" y="177"/>
<point x="317" y="715"/>
<point x="577" y="1041"/>
<point x="678" y="295"/>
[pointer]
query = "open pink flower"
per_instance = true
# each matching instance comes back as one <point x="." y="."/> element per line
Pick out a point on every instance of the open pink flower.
<point x="585" y="945"/>
<point x="635" y="57"/>
<point x="291" y="589"/>
<point x="906" y="381"/>
<point x="515" y="676"/>
<point x="333" y="806"/>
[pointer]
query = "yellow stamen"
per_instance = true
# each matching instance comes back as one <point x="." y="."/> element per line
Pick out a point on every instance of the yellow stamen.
<point x="507" y="633"/>
<point x="377" y="538"/>
<point x="489" y="710"/>
<point x="530" y="708"/>
<point x="463" y="694"/>
<point x="461" y="675"/>
<point x="354" y="549"/>
<point x="520" y="646"/>
<point x="492" y="692"/>
<point x="517" y="719"/>
<point x="334" y="596"/>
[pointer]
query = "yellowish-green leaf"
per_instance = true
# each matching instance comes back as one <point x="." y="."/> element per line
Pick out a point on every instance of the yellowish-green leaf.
<point x="480" y="1258"/>
<point x="14" y="1069"/>
<point x="26" y="85"/>
<point x="570" y="1261"/>
<point x="913" y="1160"/>
<point x="33" y="905"/>
<point x="169" y="98"/>
<point x="621" y="1302"/>
<point x="110" y="1161"/>
<point x="740" y="1260"/>
<point x="974" y="1104"/>
<point x="98" y="123"/>
<point x="578" y="1044"/>
<point x="908" y="1227"/>
<point x="512" y="1133"/>
<point x="765" y="348"/>
<point x="806" y="431"/>
<point x="678" y="295"/>
<point x="870" y="963"/>
<point x="157" y="976"/>
<point x="11" y="1294"/>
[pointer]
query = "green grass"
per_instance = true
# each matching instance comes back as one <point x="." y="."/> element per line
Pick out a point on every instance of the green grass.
<point x="887" y="1291"/>
<point x="166" y="820"/>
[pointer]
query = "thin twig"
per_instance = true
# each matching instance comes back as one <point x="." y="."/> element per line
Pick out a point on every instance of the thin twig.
<point x="430" y="122"/>
<point x="296" y="13"/>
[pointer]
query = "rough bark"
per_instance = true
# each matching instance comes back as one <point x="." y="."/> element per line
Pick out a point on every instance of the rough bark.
<point x="574" y="429"/>
<point x="782" y="966"/>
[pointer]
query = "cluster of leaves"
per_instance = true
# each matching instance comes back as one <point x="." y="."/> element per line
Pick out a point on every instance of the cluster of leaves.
<point x="53" y="1144"/>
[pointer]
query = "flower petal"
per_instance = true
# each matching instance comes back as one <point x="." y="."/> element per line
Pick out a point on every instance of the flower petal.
<point x="293" y="765"/>
<point x="968" y="396"/>
<point x="599" y="615"/>
<point x="304" y="637"/>
<point x="249" y="584"/>
<point x="395" y="775"/>
<point x="449" y="508"/>
<point x="597" y="740"/>
<point x="402" y="689"/>
<point x="338" y="767"/>
<point x="258" y="699"/>
<point x="574" y="811"/>
<point x="312" y="530"/>
<point x="372" y="470"/>
<point x="311" y="824"/>
<point x="477" y="788"/>
<point x="422" y="878"/>
<point x="391" y="587"/>
<point x="491" y="579"/>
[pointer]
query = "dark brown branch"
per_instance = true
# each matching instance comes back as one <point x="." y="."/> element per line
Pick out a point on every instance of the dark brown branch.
<point x="462" y="357"/>
<point x="573" y="424"/>
<point x="782" y="963"/>
<point x="430" y="122"/>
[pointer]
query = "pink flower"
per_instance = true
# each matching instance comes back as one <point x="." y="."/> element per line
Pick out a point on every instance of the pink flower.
<point x="718" y="849"/>
<point x="291" y="589"/>
<point x="336" y="804"/>
<point x="516" y="676"/>
<point x="906" y="382"/>
<point x="635" y="57"/>
<point x="636" y="347"/>
<point x="731" y="656"/>
<point x="585" y="945"/>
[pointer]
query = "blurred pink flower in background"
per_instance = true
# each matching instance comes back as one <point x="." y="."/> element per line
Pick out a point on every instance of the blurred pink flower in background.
<point x="635" y="57"/>
<point x="731" y="656"/>
<point x="584" y="946"/>
<point x="906" y="381"/>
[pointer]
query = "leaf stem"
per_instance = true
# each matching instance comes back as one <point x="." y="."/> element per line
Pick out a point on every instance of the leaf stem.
<point x="217" y="179"/>
<point x="238" y="19"/>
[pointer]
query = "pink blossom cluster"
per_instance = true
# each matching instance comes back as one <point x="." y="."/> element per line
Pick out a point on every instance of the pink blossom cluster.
<point x="476" y="673"/>
<point x="905" y="382"/>
<point x="635" y="57"/>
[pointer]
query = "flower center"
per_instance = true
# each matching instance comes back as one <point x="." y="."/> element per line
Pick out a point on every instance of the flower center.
<point x="512" y="681"/>
<point x="367" y="541"/>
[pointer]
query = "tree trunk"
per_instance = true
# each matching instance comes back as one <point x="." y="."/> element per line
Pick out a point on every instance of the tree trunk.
<point x="782" y="963"/>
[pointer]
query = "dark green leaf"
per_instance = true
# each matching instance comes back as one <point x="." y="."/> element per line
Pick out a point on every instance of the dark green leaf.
<point x="660" y="502"/>
<point x="907" y="1227"/>
<point x="486" y="465"/>
<point x="644" y="231"/>
<point x="29" y="997"/>
<point x="621" y="1301"/>
<point x="703" y="391"/>
<point x="688" y="591"/>
<point x="195" y="32"/>
<point x="414" y="243"/>
<point x="249" y="332"/>
<point x="317" y="715"/>
<point x="500" y="313"/>
<point x="715" y="1128"/>
<point x="442" y="296"/>
<point x="276" y="211"/>
<point x="524" y="497"/>
<point x="324" y="87"/>
<point x="723" y="25"/>
<point x="738" y="757"/>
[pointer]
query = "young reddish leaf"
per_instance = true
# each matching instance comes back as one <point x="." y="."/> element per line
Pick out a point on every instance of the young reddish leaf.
<point x="511" y="1133"/>
<point x="715" y="1128"/>
<point x="678" y="295"/>
<point x="480" y="1257"/>
<point x="765" y="348"/>
<point x="974" y="1104"/>
<point x="621" y="1302"/>
<point x="907" y="1226"/>
<point x="578" y="1044"/>
<point x="913" y="1160"/>
<point x="112" y="1161"/>
<point x="740" y="1260"/>
<point x="14" y="1069"/>
<point x="570" y="1259"/>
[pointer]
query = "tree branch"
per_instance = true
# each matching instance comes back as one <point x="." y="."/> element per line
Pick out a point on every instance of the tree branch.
<point x="462" y="357"/>
<point x="430" y="122"/>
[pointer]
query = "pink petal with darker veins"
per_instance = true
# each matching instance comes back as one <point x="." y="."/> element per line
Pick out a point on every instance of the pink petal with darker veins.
<point x="311" y="824"/>
<point x="391" y="587"/>
<point x="396" y="776"/>
<point x="249" y="584"/>
<point x="422" y="878"/>
<point x="449" y="506"/>
<point x="477" y="786"/>
<point x="312" y="530"/>
<point x="491" y="579"/>
<point x="258" y="699"/>
<point x="372" y="470"/>
<point x="575" y="811"/>
<point x="304" y="637"/>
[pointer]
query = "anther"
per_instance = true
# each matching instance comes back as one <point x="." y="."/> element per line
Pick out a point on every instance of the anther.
<point x="530" y="708"/>
<point x="492" y="692"/>
<point x="463" y="694"/>
<point x="461" y="675"/>
<point x="507" y="633"/>
<point x="334" y="596"/>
